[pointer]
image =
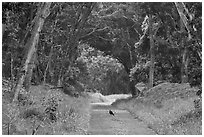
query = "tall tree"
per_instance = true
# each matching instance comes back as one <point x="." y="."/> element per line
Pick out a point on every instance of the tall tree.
<point x="71" y="19"/>
<point x="184" y="25"/>
<point x="42" y="13"/>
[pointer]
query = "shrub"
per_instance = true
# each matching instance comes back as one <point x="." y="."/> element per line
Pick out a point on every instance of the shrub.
<point x="46" y="111"/>
<point x="164" y="105"/>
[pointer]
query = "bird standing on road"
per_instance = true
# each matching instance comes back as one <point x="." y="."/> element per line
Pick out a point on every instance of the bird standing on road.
<point x="199" y="93"/>
<point x="111" y="113"/>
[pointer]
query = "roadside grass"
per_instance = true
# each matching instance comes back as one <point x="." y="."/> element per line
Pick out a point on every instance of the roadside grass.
<point x="44" y="111"/>
<point x="168" y="108"/>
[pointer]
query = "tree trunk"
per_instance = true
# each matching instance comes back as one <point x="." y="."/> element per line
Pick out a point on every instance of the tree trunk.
<point x="184" y="66"/>
<point x="152" y="56"/>
<point x="134" y="91"/>
<point x="3" y="29"/>
<point x="184" y="60"/>
<point x="183" y="12"/>
<point x="12" y="75"/>
<point x="42" y="14"/>
<point x="126" y="37"/>
<point x="76" y="33"/>
<point x="50" y="55"/>
<point x="60" y="78"/>
<point x="30" y="68"/>
<point x="48" y="65"/>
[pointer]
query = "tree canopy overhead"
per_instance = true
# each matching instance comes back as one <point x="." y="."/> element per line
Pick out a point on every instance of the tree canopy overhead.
<point x="158" y="39"/>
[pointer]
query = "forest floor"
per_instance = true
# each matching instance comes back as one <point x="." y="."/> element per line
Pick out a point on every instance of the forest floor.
<point x="123" y="123"/>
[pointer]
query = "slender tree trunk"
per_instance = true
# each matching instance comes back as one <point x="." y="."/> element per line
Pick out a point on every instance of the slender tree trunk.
<point x="12" y="75"/>
<point x="3" y="29"/>
<point x="77" y="30"/>
<point x="52" y="74"/>
<point x="45" y="73"/>
<point x="184" y="58"/>
<point x="152" y="56"/>
<point x="134" y="91"/>
<point x="28" y="77"/>
<point x="50" y="55"/>
<point x="42" y="13"/>
<point x="76" y="33"/>
<point x="48" y="64"/>
<point x="184" y="66"/>
<point x="183" y="12"/>
<point x="126" y="37"/>
<point x="60" y="78"/>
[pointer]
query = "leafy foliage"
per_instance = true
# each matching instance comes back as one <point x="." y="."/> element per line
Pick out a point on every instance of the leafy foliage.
<point x="46" y="111"/>
<point x="168" y="108"/>
<point x="118" y="29"/>
<point x="99" y="47"/>
<point x="103" y="71"/>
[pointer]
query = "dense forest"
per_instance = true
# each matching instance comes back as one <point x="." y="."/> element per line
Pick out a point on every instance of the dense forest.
<point x="105" y="48"/>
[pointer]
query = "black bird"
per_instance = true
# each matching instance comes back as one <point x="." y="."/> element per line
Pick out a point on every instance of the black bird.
<point x="199" y="92"/>
<point x="111" y="113"/>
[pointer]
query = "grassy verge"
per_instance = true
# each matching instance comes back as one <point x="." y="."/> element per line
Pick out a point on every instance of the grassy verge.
<point x="44" y="111"/>
<point x="168" y="108"/>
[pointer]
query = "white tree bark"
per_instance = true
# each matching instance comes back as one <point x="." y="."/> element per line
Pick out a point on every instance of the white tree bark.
<point x="184" y="24"/>
<point x="42" y="13"/>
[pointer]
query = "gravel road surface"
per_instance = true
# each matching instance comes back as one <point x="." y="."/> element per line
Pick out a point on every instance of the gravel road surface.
<point x="102" y="123"/>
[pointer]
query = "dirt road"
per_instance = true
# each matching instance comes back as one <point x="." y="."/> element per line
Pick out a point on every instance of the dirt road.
<point x="102" y="123"/>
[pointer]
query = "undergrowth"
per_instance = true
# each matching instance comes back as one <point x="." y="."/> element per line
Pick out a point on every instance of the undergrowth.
<point x="44" y="111"/>
<point x="168" y="108"/>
